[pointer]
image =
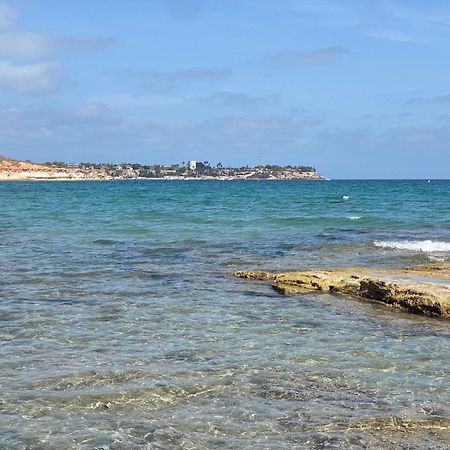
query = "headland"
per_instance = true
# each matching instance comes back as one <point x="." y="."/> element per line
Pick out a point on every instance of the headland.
<point x="13" y="170"/>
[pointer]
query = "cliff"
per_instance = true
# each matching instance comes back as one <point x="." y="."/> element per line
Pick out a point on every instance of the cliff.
<point x="13" y="170"/>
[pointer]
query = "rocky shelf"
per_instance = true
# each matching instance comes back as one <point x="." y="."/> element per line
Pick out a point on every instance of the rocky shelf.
<point x="422" y="290"/>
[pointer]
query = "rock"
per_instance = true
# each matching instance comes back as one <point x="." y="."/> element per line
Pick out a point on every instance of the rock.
<point x="254" y="275"/>
<point x="13" y="170"/>
<point x="422" y="290"/>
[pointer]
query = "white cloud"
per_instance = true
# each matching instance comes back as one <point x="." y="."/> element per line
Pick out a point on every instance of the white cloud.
<point x="27" y="63"/>
<point x="29" y="46"/>
<point x="24" y="45"/>
<point x="83" y="120"/>
<point x="35" y="78"/>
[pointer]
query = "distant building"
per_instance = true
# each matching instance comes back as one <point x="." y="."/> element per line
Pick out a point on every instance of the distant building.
<point x="192" y="165"/>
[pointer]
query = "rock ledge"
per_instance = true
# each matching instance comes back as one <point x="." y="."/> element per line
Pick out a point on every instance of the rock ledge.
<point x="422" y="290"/>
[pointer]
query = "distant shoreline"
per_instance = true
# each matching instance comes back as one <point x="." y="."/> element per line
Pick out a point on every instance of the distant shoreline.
<point x="13" y="170"/>
<point x="8" y="180"/>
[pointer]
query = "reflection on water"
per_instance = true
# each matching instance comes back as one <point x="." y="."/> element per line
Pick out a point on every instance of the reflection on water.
<point x="121" y="326"/>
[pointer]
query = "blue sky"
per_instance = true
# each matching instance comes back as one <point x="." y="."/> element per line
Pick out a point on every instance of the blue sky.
<point x="359" y="89"/>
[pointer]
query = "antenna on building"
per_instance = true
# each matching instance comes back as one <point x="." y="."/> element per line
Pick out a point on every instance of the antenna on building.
<point x="260" y="158"/>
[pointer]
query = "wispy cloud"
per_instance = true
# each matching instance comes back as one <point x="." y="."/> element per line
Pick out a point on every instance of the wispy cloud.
<point x="197" y="73"/>
<point x="259" y="129"/>
<point x="388" y="116"/>
<point x="395" y="36"/>
<point x="164" y="81"/>
<point x="234" y="99"/>
<point x="441" y="99"/>
<point x="317" y="56"/>
<point x="414" y="14"/>
<point x="184" y="10"/>
<point x="24" y="45"/>
<point x="29" y="60"/>
<point x="438" y="99"/>
<point x="64" y="133"/>
<point x="82" y="117"/>
<point x="443" y="19"/>
<point x="71" y="45"/>
<point x="77" y="130"/>
<point x="406" y="146"/>
<point x="29" y="46"/>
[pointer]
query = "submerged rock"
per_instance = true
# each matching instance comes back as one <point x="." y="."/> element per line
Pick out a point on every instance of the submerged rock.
<point x="422" y="290"/>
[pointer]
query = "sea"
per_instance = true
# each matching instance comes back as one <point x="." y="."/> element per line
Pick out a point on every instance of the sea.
<point x="122" y="326"/>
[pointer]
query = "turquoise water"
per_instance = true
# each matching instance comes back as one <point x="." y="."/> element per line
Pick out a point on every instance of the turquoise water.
<point x="122" y="328"/>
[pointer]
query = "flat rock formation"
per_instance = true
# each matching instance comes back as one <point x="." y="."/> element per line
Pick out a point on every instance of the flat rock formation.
<point x="423" y="290"/>
<point x="12" y="170"/>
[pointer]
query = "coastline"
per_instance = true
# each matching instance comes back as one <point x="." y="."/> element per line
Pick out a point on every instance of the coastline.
<point x="204" y="178"/>
<point x="14" y="170"/>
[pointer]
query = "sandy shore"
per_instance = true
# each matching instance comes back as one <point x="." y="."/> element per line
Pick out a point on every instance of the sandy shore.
<point x="51" y="177"/>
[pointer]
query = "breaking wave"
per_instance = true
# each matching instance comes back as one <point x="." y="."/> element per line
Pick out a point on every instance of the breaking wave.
<point x="426" y="246"/>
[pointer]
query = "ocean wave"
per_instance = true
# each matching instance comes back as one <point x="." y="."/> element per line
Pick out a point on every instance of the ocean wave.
<point x="435" y="258"/>
<point x="354" y="217"/>
<point x="426" y="246"/>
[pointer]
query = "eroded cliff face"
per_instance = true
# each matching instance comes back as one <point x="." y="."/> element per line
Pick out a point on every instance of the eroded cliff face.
<point x="12" y="170"/>
<point x="422" y="290"/>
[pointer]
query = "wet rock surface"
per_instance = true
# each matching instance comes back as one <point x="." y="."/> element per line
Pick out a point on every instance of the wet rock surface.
<point x="422" y="290"/>
<point x="255" y="275"/>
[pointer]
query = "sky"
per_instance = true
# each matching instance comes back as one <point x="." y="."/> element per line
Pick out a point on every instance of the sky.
<point x="358" y="89"/>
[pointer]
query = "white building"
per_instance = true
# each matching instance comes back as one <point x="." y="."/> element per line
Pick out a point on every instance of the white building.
<point x="192" y="165"/>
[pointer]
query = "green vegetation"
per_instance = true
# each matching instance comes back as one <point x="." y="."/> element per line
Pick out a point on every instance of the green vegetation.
<point x="58" y="164"/>
<point x="203" y="169"/>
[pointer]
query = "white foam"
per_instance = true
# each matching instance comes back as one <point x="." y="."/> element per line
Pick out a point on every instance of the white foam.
<point x="345" y="197"/>
<point x="427" y="246"/>
<point x="437" y="258"/>
<point x="354" y="217"/>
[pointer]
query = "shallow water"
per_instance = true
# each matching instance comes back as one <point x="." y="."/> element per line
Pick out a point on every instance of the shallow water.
<point x="121" y="326"/>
